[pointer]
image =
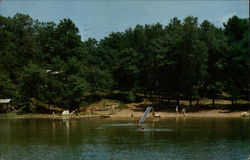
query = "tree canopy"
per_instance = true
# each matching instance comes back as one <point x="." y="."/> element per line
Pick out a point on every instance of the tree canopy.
<point x="181" y="60"/>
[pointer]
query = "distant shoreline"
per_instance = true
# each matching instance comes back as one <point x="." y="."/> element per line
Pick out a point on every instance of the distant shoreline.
<point x="130" y="114"/>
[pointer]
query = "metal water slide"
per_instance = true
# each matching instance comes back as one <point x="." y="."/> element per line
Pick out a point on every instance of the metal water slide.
<point x="145" y="114"/>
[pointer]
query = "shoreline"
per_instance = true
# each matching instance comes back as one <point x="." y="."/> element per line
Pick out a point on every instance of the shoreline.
<point x="209" y="113"/>
<point x="126" y="114"/>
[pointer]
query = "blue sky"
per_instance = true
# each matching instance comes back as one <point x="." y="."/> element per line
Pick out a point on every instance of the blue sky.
<point x="98" y="18"/>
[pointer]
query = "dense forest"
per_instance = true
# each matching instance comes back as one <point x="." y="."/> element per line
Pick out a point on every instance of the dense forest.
<point x="48" y="63"/>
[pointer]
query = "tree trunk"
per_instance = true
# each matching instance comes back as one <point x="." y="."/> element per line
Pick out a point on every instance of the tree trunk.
<point x="213" y="102"/>
<point x="145" y="94"/>
<point x="204" y="88"/>
<point x="190" y="102"/>
<point x="6" y="108"/>
<point x="197" y="102"/>
<point x="150" y="94"/>
<point x="100" y="96"/>
<point x="248" y="95"/>
<point x="178" y="102"/>
<point x="92" y="91"/>
<point x="232" y="102"/>
<point x="169" y="99"/>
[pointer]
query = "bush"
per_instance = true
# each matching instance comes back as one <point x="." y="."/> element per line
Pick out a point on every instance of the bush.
<point x="121" y="106"/>
<point x="131" y="96"/>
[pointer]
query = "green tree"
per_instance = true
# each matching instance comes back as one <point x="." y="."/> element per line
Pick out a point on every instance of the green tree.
<point x="190" y="57"/>
<point x="236" y="61"/>
<point x="68" y="41"/>
<point x="215" y="41"/>
<point x="33" y="85"/>
<point x="74" y="91"/>
<point x="7" y="88"/>
<point x="33" y="81"/>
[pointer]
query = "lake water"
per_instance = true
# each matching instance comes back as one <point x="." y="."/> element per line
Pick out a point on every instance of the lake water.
<point x="170" y="138"/>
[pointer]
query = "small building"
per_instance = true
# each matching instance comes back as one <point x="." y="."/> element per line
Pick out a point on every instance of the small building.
<point x="53" y="72"/>
<point x="5" y="101"/>
<point x="4" y="105"/>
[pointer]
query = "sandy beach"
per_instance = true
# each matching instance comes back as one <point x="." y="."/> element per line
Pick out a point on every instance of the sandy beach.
<point x="209" y="113"/>
<point x="128" y="113"/>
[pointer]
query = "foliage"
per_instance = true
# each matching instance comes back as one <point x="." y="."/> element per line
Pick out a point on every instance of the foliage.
<point x="131" y="96"/>
<point x="48" y="62"/>
<point x="122" y="106"/>
<point x="7" y="88"/>
<point x="236" y="61"/>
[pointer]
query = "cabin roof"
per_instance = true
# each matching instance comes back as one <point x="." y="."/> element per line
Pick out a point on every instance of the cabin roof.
<point x="53" y="72"/>
<point x="5" y="100"/>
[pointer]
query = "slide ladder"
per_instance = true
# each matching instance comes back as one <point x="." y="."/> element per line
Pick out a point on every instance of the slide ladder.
<point x="145" y="114"/>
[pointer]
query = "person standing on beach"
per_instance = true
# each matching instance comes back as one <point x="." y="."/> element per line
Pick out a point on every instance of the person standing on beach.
<point x="184" y="112"/>
<point x="177" y="110"/>
<point x="153" y="113"/>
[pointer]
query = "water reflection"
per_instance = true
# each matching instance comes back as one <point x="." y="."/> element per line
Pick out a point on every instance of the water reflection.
<point x="67" y="130"/>
<point x="53" y="130"/>
<point x="171" y="138"/>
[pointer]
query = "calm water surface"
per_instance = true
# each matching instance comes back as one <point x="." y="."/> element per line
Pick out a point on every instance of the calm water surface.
<point x="171" y="138"/>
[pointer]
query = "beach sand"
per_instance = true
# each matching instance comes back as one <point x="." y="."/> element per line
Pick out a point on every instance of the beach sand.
<point x="126" y="113"/>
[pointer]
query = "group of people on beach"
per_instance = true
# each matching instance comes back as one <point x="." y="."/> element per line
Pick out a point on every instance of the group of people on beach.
<point x="183" y="111"/>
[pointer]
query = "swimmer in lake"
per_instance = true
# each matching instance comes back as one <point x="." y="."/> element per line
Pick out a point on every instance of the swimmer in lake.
<point x="138" y="123"/>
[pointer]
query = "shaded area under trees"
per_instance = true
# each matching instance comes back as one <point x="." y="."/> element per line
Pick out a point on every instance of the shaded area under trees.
<point x="48" y="62"/>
